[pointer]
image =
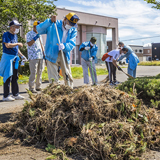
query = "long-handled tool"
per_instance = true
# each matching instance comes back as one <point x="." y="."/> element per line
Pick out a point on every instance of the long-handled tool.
<point x="127" y="74"/>
<point x="92" y="71"/>
<point x="63" y="60"/>
<point x="42" y="50"/>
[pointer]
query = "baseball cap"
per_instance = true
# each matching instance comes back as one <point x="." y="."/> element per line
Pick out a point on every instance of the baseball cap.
<point x="36" y="23"/>
<point x="93" y="40"/>
<point x="72" y="18"/>
<point x="14" y="22"/>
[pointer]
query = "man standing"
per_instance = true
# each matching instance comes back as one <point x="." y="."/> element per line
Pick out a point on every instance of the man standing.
<point x="67" y="29"/>
<point x="131" y="59"/>
<point x="35" y="57"/>
<point x="89" y="51"/>
<point x="10" y="61"/>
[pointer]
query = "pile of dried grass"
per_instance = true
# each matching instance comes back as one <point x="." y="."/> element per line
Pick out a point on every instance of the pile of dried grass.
<point x="98" y="122"/>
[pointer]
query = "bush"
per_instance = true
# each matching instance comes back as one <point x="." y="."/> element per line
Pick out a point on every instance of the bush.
<point x="146" y="88"/>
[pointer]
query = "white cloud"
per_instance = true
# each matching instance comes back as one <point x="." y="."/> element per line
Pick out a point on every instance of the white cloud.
<point x="136" y="18"/>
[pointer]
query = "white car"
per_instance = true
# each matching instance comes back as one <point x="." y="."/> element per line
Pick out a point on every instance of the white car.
<point x="123" y="61"/>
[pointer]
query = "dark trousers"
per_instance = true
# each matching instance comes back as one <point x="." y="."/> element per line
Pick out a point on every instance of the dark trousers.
<point x="111" y="71"/>
<point x="14" y="84"/>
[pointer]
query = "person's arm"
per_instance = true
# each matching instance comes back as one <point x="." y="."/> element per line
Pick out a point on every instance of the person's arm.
<point x="22" y="56"/>
<point x="30" y="43"/>
<point x="42" y="27"/>
<point x="115" y="64"/>
<point x="11" y="45"/>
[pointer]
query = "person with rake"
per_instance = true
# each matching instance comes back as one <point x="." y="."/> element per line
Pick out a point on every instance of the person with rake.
<point x="131" y="59"/>
<point x="88" y="56"/>
<point x="61" y="40"/>
<point x="111" y="64"/>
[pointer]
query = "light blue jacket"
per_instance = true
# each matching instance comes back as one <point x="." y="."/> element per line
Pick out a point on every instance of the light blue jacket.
<point x="133" y="61"/>
<point x="51" y="47"/>
<point x="6" y="65"/>
<point x="87" y="54"/>
<point x="127" y="54"/>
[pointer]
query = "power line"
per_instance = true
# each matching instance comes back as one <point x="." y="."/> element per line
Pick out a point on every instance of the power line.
<point x="140" y="38"/>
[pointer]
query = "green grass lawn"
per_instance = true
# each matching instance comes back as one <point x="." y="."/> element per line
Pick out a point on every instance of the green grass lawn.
<point x="77" y="73"/>
<point x="149" y="63"/>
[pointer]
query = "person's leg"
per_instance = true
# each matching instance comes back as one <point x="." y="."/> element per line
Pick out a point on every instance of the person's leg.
<point x="134" y="73"/>
<point x="6" y="87"/>
<point x="130" y="71"/>
<point x="92" y="66"/>
<point x="85" y="71"/>
<point x="40" y="68"/>
<point x="114" y="72"/>
<point x="33" y="69"/>
<point x="110" y="71"/>
<point x="14" y="82"/>
<point x="52" y="71"/>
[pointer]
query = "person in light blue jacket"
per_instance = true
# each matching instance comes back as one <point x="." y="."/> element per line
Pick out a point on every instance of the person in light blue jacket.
<point x="131" y="59"/>
<point x="88" y="56"/>
<point x="67" y="29"/>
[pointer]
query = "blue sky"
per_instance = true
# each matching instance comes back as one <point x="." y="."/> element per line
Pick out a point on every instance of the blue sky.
<point x="136" y="18"/>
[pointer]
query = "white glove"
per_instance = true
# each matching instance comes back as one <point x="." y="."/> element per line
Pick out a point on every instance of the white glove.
<point x="90" y="59"/>
<point x="61" y="46"/>
<point x="87" y="48"/>
<point x="24" y="59"/>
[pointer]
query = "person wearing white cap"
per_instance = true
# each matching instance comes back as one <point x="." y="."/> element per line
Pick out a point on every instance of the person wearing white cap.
<point x="10" y="61"/>
<point x="35" y="58"/>
<point x="67" y="29"/>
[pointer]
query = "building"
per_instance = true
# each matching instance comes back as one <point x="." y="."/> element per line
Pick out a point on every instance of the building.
<point x="91" y="25"/>
<point x="147" y="52"/>
<point x="138" y="50"/>
<point x="155" y="51"/>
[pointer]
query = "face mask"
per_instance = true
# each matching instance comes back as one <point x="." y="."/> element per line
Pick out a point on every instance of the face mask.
<point x="16" y="31"/>
<point x="68" y="26"/>
<point x="91" y="44"/>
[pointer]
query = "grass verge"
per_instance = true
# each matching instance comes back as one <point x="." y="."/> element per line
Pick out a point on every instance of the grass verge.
<point x="149" y="63"/>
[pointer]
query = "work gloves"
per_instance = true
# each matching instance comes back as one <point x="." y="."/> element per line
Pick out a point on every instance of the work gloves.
<point x="24" y="59"/>
<point x="36" y="37"/>
<point x="90" y="59"/>
<point x="87" y="48"/>
<point x="61" y="46"/>
<point x="119" y="68"/>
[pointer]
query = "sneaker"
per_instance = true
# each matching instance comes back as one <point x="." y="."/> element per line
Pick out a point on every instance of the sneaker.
<point x="19" y="97"/>
<point x="33" y="90"/>
<point x="38" y="89"/>
<point x="8" y="99"/>
<point x="111" y="84"/>
<point x="116" y="82"/>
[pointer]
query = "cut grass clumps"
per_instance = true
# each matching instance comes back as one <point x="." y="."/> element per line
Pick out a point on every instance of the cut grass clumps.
<point x="146" y="88"/>
<point x="96" y="122"/>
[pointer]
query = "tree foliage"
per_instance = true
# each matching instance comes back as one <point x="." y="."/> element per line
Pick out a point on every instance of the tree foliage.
<point x="23" y="11"/>
<point x="156" y="4"/>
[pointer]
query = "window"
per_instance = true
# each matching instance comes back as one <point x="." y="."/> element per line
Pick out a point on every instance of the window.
<point x="148" y="51"/>
<point x="140" y="51"/>
<point x="135" y="50"/>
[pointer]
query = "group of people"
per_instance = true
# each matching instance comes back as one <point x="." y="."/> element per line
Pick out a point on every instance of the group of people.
<point x="60" y="41"/>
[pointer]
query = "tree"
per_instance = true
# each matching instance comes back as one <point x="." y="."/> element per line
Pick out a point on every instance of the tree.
<point x="156" y="3"/>
<point x="23" y="11"/>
